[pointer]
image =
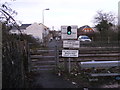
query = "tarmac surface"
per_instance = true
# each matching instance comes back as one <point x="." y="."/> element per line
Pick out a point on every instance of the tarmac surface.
<point x="50" y="80"/>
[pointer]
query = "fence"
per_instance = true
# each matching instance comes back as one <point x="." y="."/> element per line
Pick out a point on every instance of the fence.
<point x="43" y="58"/>
<point x="14" y="63"/>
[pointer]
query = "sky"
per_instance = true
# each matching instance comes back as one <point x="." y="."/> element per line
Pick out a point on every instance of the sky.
<point x="62" y="12"/>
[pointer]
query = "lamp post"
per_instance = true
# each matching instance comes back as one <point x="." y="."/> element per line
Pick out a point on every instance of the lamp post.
<point x="43" y="14"/>
<point x="119" y="13"/>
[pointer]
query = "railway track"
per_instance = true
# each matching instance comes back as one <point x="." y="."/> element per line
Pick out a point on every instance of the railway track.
<point x="96" y="54"/>
<point x="94" y="59"/>
<point x="47" y="59"/>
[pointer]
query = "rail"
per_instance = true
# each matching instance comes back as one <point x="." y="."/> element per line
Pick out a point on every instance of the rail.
<point x="96" y="61"/>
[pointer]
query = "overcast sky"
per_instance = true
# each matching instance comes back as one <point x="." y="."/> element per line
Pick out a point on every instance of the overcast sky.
<point x="62" y="12"/>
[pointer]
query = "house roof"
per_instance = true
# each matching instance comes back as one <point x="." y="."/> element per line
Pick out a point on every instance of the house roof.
<point x="86" y="27"/>
<point x="43" y="25"/>
<point x="23" y="26"/>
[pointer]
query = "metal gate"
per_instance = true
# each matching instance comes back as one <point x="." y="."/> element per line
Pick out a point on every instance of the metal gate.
<point x="43" y="59"/>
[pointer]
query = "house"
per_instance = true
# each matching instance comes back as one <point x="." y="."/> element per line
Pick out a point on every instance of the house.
<point x="38" y="31"/>
<point x="87" y="30"/>
<point x="22" y="29"/>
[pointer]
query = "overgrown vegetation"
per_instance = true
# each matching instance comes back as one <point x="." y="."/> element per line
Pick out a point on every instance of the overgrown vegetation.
<point x="15" y="52"/>
<point x="16" y="58"/>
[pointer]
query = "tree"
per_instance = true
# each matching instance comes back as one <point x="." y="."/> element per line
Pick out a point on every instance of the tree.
<point x="7" y="16"/>
<point x="104" y="21"/>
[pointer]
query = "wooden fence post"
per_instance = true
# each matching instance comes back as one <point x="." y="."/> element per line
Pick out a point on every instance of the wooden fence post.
<point x="29" y="61"/>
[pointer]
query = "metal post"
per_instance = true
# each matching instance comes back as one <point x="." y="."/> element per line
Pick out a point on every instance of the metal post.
<point x="57" y="55"/>
<point x="69" y="65"/>
<point x="65" y="65"/>
<point x="43" y="15"/>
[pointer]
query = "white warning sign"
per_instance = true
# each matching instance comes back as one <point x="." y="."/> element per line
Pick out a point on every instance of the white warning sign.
<point x="69" y="53"/>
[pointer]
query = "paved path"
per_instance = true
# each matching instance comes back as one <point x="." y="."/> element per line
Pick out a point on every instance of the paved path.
<point x="46" y="79"/>
<point x="50" y="80"/>
<point x="54" y="43"/>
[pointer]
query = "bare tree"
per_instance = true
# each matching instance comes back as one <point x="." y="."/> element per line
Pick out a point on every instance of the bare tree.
<point x="7" y="16"/>
<point x="103" y="22"/>
<point x="109" y="17"/>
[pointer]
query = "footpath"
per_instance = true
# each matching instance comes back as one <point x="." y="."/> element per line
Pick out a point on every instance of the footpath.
<point x="49" y="80"/>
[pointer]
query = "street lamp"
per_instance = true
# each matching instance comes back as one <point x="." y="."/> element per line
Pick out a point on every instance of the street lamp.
<point x="43" y="14"/>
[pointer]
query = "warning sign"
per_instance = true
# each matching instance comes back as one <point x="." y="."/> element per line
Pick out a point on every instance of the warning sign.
<point x="69" y="53"/>
<point x="71" y="44"/>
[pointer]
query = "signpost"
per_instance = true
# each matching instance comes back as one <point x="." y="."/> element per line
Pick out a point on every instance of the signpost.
<point x="69" y="36"/>
<point x="71" y="44"/>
